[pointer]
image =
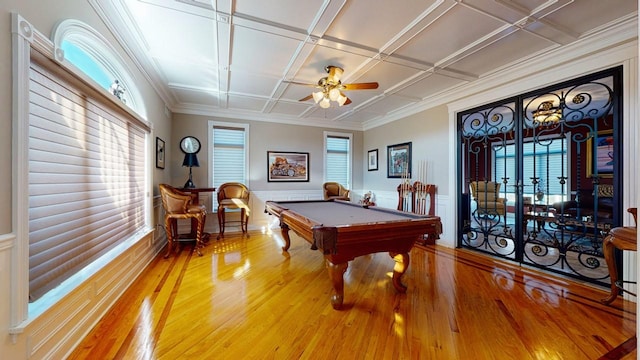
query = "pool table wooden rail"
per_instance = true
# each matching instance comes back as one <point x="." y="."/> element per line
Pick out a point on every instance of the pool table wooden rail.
<point x="343" y="243"/>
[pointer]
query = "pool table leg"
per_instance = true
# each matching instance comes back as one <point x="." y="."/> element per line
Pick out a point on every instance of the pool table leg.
<point x="285" y="235"/>
<point x="402" y="263"/>
<point x="336" y="272"/>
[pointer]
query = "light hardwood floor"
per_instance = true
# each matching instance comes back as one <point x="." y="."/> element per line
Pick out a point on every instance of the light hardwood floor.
<point x="245" y="299"/>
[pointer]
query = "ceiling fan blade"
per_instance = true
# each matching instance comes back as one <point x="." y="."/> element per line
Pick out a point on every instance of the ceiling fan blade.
<point x="310" y="96"/>
<point x="360" y="86"/>
<point x="300" y="83"/>
<point x="347" y="101"/>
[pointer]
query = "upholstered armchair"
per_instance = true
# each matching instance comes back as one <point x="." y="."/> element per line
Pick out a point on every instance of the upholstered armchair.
<point x="335" y="191"/>
<point x="486" y="194"/>
<point x="233" y="195"/>
<point x="179" y="205"/>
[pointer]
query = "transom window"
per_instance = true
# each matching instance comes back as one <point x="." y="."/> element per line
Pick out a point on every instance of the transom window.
<point x="87" y="50"/>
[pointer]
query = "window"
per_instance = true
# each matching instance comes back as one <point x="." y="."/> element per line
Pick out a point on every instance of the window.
<point x="338" y="158"/>
<point x="88" y="65"/>
<point x="87" y="176"/>
<point x="547" y="159"/>
<point x="80" y="170"/>
<point x="90" y="52"/>
<point x="229" y="154"/>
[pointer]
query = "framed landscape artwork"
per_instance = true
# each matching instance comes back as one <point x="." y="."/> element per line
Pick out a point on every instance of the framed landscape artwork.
<point x="372" y="160"/>
<point x="600" y="155"/>
<point x="287" y="166"/>
<point x="399" y="160"/>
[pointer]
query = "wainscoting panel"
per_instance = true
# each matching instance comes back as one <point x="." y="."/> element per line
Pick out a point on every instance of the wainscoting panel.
<point x="54" y="333"/>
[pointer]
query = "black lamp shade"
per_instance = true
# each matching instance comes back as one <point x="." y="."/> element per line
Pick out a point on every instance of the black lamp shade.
<point x="190" y="160"/>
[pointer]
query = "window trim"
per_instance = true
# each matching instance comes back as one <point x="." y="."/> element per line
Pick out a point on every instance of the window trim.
<point x="98" y="48"/>
<point x="25" y="39"/>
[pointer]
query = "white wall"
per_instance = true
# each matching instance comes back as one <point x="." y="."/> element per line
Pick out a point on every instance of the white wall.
<point x="263" y="137"/>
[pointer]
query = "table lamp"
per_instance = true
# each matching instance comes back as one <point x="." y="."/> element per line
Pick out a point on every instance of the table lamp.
<point x="190" y="160"/>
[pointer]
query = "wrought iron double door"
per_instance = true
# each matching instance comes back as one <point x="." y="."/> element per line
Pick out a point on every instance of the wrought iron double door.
<point x="539" y="176"/>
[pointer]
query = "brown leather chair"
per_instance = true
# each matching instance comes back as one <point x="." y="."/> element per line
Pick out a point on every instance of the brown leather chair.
<point x="623" y="238"/>
<point x="233" y="195"/>
<point x="486" y="194"/>
<point x="335" y="191"/>
<point x="180" y="205"/>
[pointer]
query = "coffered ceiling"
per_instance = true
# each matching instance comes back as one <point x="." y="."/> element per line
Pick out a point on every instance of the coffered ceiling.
<point x="238" y="58"/>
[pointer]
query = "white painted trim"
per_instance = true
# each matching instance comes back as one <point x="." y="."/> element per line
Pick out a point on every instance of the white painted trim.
<point x="22" y="36"/>
<point x="54" y="330"/>
<point x="7" y="241"/>
<point x="98" y="48"/>
<point x="533" y="74"/>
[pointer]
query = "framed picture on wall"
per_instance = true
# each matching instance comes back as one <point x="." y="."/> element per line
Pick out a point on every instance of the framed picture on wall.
<point x="399" y="160"/>
<point x="287" y="166"/>
<point x="372" y="160"/>
<point x="600" y="154"/>
<point x="160" y="153"/>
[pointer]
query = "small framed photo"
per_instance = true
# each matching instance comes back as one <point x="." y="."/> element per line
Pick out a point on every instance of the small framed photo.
<point x="287" y="166"/>
<point x="160" y="153"/>
<point x="399" y="160"/>
<point x="372" y="161"/>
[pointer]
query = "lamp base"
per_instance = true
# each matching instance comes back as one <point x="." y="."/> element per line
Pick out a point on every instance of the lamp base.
<point x="189" y="184"/>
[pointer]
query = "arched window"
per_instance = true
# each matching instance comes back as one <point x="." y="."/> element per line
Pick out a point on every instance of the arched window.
<point x="87" y="50"/>
<point x="82" y="179"/>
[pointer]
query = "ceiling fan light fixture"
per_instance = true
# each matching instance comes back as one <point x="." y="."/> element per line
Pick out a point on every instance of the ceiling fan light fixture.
<point x="317" y="96"/>
<point x="325" y="103"/>
<point x="547" y="113"/>
<point x="341" y="99"/>
<point x="329" y="88"/>
<point x="334" y="94"/>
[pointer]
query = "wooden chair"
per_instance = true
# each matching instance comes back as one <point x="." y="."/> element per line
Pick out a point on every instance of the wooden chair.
<point x="233" y="195"/>
<point x="335" y="191"/>
<point x="486" y="194"/>
<point x="180" y="205"/>
<point x="423" y="202"/>
<point x="623" y="238"/>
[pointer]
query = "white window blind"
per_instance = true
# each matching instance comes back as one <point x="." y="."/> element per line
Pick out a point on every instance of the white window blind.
<point x="87" y="176"/>
<point x="338" y="159"/>
<point x="546" y="160"/>
<point x="229" y="156"/>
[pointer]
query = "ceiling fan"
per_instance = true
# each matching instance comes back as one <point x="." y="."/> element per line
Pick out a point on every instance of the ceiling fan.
<point x="331" y="88"/>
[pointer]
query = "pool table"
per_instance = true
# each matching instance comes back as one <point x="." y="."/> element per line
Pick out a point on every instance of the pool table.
<point x="344" y="231"/>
